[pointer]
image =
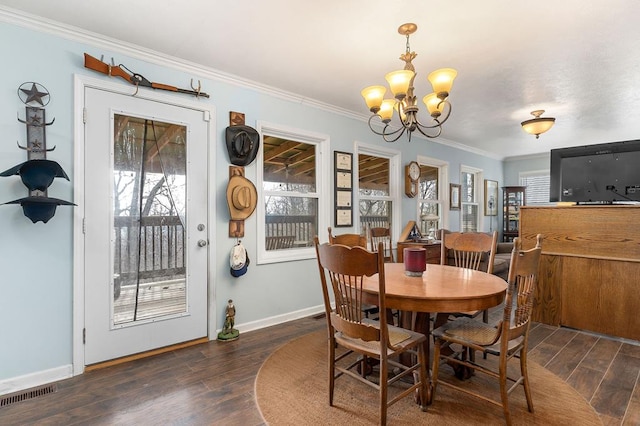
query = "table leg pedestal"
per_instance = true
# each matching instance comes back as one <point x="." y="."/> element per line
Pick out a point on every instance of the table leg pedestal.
<point x="420" y="322"/>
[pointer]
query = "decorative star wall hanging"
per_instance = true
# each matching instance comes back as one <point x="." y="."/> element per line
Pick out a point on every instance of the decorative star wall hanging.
<point x="37" y="173"/>
<point x="33" y="94"/>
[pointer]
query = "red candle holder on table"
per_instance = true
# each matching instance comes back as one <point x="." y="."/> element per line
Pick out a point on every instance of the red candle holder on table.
<point x="415" y="261"/>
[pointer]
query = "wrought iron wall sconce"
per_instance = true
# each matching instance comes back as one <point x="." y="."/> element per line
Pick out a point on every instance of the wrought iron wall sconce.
<point x="37" y="173"/>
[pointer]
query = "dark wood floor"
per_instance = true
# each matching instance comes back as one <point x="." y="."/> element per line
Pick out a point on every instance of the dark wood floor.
<point x="213" y="383"/>
<point x="604" y="371"/>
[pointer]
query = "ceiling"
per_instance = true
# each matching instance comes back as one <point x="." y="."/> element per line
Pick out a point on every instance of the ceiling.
<point x="577" y="60"/>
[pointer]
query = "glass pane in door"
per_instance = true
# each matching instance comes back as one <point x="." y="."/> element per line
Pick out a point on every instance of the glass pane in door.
<point x="149" y="209"/>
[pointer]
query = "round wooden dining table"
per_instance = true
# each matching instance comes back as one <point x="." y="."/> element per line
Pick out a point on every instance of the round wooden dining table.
<point x="441" y="288"/>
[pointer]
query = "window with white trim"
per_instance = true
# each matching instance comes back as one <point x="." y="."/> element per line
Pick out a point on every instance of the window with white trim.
<point x="432" y="196"/>
<point x="470" y="198"/>
<point x="378" y="195"/>
<point x="538" y="184"/>
<point x="292" y="180"/>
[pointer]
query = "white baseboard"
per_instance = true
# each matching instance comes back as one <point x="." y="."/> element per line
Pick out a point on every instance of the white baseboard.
<point x="39" y="378"/>
<point x="278" y="319"/>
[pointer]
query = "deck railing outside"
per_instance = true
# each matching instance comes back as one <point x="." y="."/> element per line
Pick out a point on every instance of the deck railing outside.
<point x="162" y="240"/>
<point x="367" y="222"/>
<point x="161" y="251"/>
<point x="300" y="228"/>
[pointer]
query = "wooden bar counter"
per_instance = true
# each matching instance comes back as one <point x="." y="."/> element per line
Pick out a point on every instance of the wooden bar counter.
<point x="590" y="266"/>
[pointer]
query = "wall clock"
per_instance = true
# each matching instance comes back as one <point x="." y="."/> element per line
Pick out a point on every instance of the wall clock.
<point x="411" y="179"/>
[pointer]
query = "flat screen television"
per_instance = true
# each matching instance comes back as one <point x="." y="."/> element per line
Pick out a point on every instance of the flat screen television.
<point x="607" y="173"/>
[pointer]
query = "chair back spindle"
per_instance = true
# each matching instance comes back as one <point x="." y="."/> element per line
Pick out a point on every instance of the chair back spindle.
<point x="346" y="267"/>
<point x="382" y="235"/>
<point x="508" y="340"/>
<point x="523" y="277"/>
<point x="343" y="270"/>
<point x="469" y="249"/>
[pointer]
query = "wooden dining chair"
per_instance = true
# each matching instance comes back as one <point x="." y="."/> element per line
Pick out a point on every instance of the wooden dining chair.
<point x="354" y="240"/>
<point x="506" y="340"/>
<point x="351" y="240"/>
<point x="382" y="235"/>
<point x="472" y="250"/>
<point x="342" y="269"/>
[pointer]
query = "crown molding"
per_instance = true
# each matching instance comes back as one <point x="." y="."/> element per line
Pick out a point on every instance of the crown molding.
<point x="44" y="25"/>
<point x="528" y="157"/>
<point x="40" y="24"/>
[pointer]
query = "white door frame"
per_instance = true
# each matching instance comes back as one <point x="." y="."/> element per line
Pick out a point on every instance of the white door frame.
<point x="80" y="83"/>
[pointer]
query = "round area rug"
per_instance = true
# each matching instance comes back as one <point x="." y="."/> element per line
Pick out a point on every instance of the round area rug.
<point x="292" y="389"/>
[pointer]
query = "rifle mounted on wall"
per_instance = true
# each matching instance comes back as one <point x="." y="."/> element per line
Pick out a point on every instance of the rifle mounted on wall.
<point x="135" y="78"/>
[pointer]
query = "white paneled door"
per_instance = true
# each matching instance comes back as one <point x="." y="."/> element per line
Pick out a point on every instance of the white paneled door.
<point x="145" y="225"/>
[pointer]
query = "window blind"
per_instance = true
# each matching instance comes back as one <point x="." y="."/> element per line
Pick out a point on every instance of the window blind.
<point x="537" y="184"/>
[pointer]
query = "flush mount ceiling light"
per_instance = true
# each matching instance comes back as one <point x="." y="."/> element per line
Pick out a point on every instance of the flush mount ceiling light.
<point x="538" y="125"/>
<point x="404" y="101"/>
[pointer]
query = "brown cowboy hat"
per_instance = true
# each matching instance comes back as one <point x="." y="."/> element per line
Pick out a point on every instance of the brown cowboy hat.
<point x="242" y="197"/>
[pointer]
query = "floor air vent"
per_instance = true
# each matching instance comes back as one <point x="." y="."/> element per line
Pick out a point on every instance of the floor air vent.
<point x="27" y="394"/>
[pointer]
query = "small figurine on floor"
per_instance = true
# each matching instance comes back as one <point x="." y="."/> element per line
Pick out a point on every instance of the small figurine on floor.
<point x="228" y="332"/>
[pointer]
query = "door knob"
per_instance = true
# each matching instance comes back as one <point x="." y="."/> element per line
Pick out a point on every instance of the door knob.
<point x="202" y="243"/>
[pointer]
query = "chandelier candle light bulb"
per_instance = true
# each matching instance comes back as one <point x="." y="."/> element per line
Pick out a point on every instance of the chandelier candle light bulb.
<point x="404" y="101"/>
<point x="373" y="96"/>
<point x="441" y="80"/>
<point x="434" y="105"/>
<point x="399" y="82"/>
<point x="386" y="110"/>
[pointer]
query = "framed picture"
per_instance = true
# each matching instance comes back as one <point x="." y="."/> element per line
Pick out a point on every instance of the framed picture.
<point x="343" y="180"/>
<point x="343" y="199"/>
<point x="490" y="197"/>
<point x="454" y="196"/>
<point x="344" y="217"/>
<point x="343" y="160"/>
<point x="343" y="189"/>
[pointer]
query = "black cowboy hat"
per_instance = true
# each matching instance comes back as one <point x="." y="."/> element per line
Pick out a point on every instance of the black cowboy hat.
<point x="40" y="208"/>
<point x="37" y="174"/>
<point x="242" y="144"/>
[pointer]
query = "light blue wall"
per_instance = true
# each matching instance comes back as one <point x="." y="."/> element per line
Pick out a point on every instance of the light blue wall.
<point x="491" y="168"/>
<point x="36" y="288"/>
<point x="513" y="167"/>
